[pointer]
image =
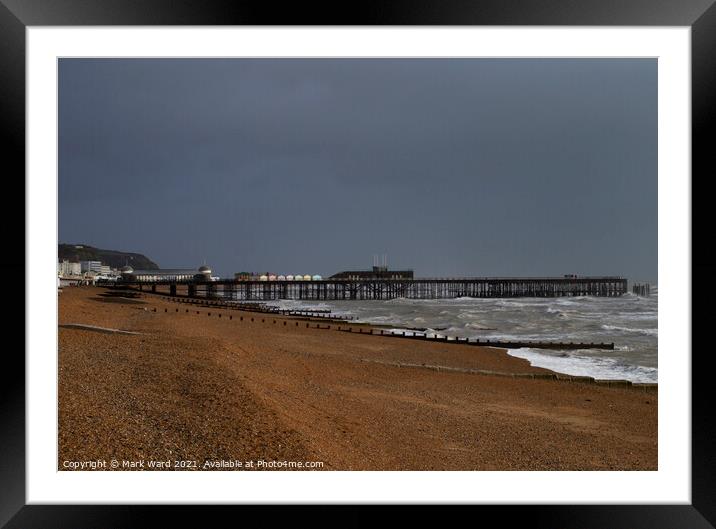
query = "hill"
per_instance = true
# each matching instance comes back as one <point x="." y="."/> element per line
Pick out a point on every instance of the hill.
<point x="113" y="258"/>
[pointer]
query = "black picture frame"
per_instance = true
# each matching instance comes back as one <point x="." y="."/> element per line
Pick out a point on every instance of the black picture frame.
<point x="16" y="15"/>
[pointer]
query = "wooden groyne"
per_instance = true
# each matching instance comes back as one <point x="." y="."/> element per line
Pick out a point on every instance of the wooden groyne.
<point x="482" y="343"/>
<point x="381" y="289"/>
<point x="323" y="314"/>
<point x="611" y="383"/>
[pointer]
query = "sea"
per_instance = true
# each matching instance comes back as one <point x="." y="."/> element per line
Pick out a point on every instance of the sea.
<point x="630" y="321"/>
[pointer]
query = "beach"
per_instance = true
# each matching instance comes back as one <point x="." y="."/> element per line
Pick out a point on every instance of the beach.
<point x="193" y="386"/>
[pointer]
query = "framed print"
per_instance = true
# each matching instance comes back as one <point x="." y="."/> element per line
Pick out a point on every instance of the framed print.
<point x="209" y="181"/>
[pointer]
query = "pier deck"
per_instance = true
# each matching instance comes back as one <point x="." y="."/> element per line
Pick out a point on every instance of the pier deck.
<point x="377" y="289"/>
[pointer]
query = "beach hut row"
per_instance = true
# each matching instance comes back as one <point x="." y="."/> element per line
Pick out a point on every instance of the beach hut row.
<point x="248" y="276"/>
<point x="297" y="277"/>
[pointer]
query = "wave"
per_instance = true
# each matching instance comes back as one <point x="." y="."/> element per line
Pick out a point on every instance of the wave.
<point x="596" y="367"/>
<point x="645" y="332"/>
<point x="478" y="326"/>
<point x="526" y="302"/>
<point x="564" y="314"/>
<point x="624" y="348"/>
<point x="527" y="337"/>
<point x="292" y="304"/>
<point x="377" y="319"/>
<point x="643" y="316"/>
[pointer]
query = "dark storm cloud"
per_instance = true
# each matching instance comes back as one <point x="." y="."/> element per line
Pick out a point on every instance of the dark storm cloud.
<point x="451" y="166"/>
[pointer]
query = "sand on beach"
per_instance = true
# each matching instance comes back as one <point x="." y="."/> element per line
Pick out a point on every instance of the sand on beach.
<point x="196" y="387"/>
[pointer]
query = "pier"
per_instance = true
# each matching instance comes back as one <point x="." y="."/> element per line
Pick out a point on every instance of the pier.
<point x="384" y="289"/>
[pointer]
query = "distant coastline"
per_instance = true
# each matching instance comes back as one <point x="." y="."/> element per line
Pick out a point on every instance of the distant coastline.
<point x="112" y="258"/>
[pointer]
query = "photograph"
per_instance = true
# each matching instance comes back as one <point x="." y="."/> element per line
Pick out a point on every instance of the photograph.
<point x="357" y="264"/>
<point x="404" y="255"/>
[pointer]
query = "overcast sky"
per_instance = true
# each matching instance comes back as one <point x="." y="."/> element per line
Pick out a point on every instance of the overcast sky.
<point x="480" y="167"/>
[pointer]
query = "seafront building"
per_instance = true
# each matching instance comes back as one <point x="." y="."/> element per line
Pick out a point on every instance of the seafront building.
<point x="91" y="266"/>
<point x="203" y="273"/>
<point x="86" y="272"/>
<point x="66" y="268"/>
<point x="378" y="272"/>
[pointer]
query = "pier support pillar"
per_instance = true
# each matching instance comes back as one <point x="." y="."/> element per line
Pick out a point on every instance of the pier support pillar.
<point x="154" y="289"/>
<point x="173" y="289"/>
<point x="210" y="290"/>
<point x="192" y="291"/>
<point x="229" y="290"/>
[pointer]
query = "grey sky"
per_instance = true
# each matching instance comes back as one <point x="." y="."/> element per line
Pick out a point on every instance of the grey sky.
<point x="450" y="166"/>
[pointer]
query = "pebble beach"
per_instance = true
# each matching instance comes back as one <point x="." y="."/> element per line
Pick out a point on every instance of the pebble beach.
<point x="181" y="384"/>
